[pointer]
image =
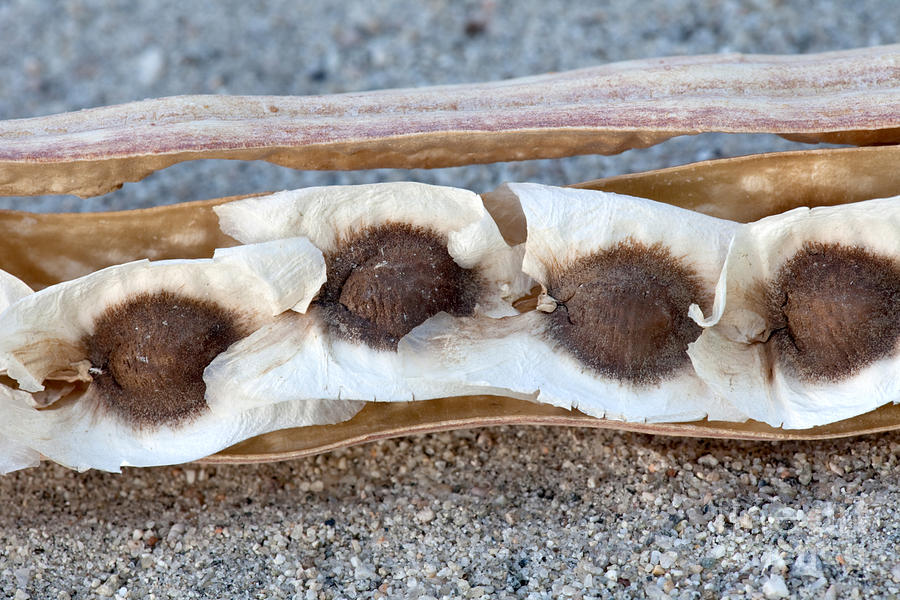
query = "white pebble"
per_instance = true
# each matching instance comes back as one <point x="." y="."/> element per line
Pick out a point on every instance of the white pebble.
<point x="175" y="532"/>
<point x="807" y="564"/>
<point x="425" y="516"/>
<point x="775" y="587"/>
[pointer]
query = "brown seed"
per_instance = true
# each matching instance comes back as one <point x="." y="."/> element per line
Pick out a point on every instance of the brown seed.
<point x="833" y="309"/>
<point x="624" y="312"/>
<point x="148" y="355"/>
<point x="386" y="280"/>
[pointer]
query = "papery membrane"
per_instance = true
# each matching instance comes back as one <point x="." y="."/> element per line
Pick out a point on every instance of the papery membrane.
<point x="75" y="433"/>
<point x="295" y="358"/>
<point x="518" y="355"/>
<point x="733" y="356"/>
<point x="13" y="454"/>
<point x="326" y="215"/>
<point x="298" y="356"/>
<point x="41" y="338"/>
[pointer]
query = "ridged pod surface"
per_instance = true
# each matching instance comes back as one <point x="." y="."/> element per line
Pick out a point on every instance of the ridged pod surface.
<point x="847" y="97"/>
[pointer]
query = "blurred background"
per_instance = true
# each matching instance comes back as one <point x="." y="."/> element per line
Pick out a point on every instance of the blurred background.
<point x="495" y="513"/>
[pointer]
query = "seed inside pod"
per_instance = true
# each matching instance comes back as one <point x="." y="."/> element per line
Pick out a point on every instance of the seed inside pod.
<point x="624" y="312"/>
<point x="834" y="309"/>
<point x="386" y="280"/>
<point x="148" y="354"/>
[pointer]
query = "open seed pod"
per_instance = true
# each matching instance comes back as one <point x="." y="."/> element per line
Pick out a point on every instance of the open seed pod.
<point x="611" y="330"/>
<point x="743" y="189"/>
<point x="113" y="361"/>
<point x="845" y="97"/>
<point x="396" y="254"/>
<point x="810" y="332"/>
<point x="13" y="455"/>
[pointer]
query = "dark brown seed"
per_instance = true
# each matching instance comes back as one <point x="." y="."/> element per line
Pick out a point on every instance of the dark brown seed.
<point x="624" y="312"/>
<point x="148" y="355"/>
<point x="386" y="280"/>
<point x="833" y="309"/>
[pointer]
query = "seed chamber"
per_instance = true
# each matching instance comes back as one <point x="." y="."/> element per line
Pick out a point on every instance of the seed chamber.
<point x="833" y="310"/>
<point x="623" y="312"/>
<point x="147" y="356"/>
<point x="610" y="333"/>
<point x="397" y="254"/>
<point x="111" y="365"/>
<point x="809" y="331"/>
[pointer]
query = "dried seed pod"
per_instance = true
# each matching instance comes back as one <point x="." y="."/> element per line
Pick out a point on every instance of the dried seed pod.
<point x="611" y="330"/>
<point x="115" y="360"/>
<point x="810" y="332"/>
<point x="43" y="249"/>
<point x="13" y="455"/>
<point x="847" y="97"/>
<point x="396" y="254"/>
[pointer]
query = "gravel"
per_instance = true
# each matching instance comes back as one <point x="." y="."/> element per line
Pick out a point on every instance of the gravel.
<point x="497" y="513"/>
<point x="494" y="513"/>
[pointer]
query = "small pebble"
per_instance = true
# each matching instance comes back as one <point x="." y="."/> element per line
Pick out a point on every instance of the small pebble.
<point x="807" y="564"/>
<point x="175" y="532"/>
<point x="775" y="587"/>
<point x="150" y="65"/>
<point x="425" y="516"/>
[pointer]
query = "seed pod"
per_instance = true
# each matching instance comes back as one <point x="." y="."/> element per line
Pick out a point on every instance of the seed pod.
<point x="396" y="254"/>
<point x="115" y="360"/>
<point x="847" y="97"/>
<point x="611" y="329"/>
<point x="811" y="323"/>
<point x="13" y="455"/>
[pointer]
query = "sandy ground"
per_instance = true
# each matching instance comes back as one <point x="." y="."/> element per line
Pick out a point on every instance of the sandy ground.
<point x="498" y="513"/>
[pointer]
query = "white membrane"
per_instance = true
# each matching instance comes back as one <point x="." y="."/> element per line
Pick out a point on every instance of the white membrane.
<point x="76" y="433"/>
<point x="517" y="355"/>
<point x="296" y="357"/>
<point x="41" y="334"/>
<point x="327" y="215"/>
<point x="13" y="455"/>
<point x="41" y="338"/>
<point x="731" y="357"/>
